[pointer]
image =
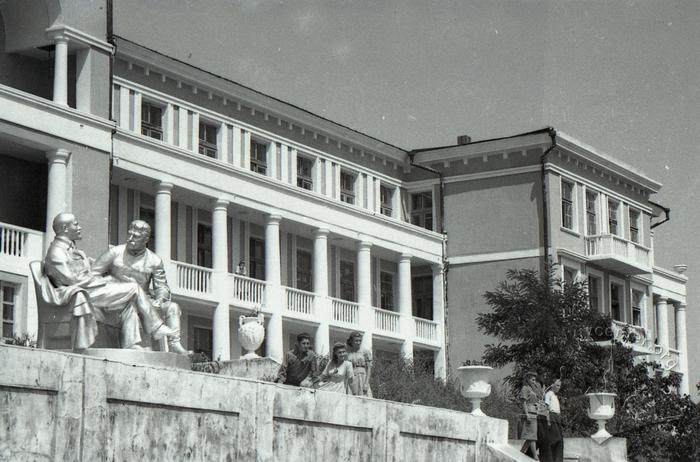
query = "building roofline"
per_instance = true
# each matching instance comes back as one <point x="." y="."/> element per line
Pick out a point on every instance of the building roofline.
<point x="208" y="80"/>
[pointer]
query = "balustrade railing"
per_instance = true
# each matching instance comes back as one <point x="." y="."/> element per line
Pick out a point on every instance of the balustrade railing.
<point x="615" y="246"/>
<point x="426" y="329"/>
<point x="192" y="278"/>
<point x="388" y="321"/>
<point x="19" y="242"/>
<point x="346" y="312"/>
<point x="300" y="301"/>
<point x="249" y="290"/>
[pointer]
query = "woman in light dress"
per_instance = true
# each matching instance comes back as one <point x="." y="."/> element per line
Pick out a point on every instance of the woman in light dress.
<point x="361" y="360"/>
<point x="530" y="395"/>
<point x="338" y="374"/>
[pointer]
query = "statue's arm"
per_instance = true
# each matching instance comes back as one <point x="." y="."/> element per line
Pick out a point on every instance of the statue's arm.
<point x="103" y="264"/>
<point x="161" y="290"/>
<point x="58" y="270"/>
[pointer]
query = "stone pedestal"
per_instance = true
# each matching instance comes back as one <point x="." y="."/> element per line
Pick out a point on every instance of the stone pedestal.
<point x="145" y="357"/>
<point x="254" y="368"/>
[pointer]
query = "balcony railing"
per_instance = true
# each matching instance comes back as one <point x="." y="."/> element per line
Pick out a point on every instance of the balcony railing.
<point x="621" y="254"/>
<point x="300" y="301"/>
<point x="248" y="290"/>
<point x="388" y="321"/>
<point x="668" y="358"/>
<point x="20" y="242"/>
<point x="426" y="329"/>
<point x="345" y="312"/>
<point x="192" y="278"/>
<point x="639" y="340"/>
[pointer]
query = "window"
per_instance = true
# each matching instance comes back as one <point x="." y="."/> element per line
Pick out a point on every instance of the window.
<point x="386" y="288"/>
<point x="567" y="205"/>
<point x="385" y="196"/>
<point x="202" y="341"/>
<point x="204" y="245"/>
<point x="594" y="293"/>
<point x="591" y="213"/>
<point x="304" y="270"/>
<point x="151" y="120"/>
<point x="304" y="173"/>
<point x="347" y="280"/>
<point x="149" y="216"/>
<point x="613" y="208"/>
<point x="207" y="139"/>
<point x="422" y="210"/>
<point x="634" y="225"/>
<point x="347" y="187"/>
<point x="422" y="288"/>
<point x="637" y="304"/>
<point x="616" y="301"/>
<point x="569" y="275"/>
<point x="258" y="157"/>
<point x="257" y="258"/>
<point x="7" y="297"/>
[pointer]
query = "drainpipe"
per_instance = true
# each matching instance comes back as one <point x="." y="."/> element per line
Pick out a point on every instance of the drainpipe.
<point x="545" y="211"/>
<point x="667" y="214"/>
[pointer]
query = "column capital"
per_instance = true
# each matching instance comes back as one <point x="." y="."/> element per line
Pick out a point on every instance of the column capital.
<point x="405" y="257"/>
<point x="321" y="233"/>
<point x="272" y="219"/>
<point x="58" y="156"/>
<point x="364" y="245"/>
<point x="163" y="187"/>
<point x="219" y="204"/>
<point x="437" y="268"/>
<point x="680" y="306"/>
<point x="660" y="299"/>
<point x="59" y="36"/>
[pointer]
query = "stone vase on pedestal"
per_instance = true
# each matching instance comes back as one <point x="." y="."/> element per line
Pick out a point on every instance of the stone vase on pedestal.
<point x="474" y="385"/>
<point x="251" y="333"/>
<point x="601" y="409"/>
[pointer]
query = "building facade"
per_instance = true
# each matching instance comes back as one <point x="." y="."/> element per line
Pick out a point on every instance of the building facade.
<point x="258" y="205"/>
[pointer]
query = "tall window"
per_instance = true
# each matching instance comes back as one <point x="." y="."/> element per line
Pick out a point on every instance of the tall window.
<point x="567" y="204"/>
<point x="347" y="280"/>
<point x="149" y="216"/>
<point x="594" y="293"/>
<point x="616" y="302"/>
<point x="207" y="139"/>
<point x="257" y="258"/>
<point x="422" y="291"/>
<point x="304" y="270"/>
<point x="634" y="225"/>
<point x="7" y="297"/>
<point x="151" y="120"/>
<point x="569" y="275"/>
<point x="304" y="173"/>
<point x="202" y="341"/>
<point x="347" y="187"/>
<point x="637" y="304"/>
<point x="591" y="213"/>
<point x="613" y="208"/>
<point x="258" y="157"/>
<point x="385" y="196"/>
<point x="386" y="287"/>
<point x="422" y="210"/>
<point x="204" y="245"/>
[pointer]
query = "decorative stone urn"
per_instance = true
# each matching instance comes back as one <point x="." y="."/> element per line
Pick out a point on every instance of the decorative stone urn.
<point x="474" y="385"/>
<point x="251" y="333"/>
<point x="601" y="409"/>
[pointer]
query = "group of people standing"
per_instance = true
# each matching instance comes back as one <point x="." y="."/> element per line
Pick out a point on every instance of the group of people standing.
<point x="541" y="425"/>
<point x="348" y="369"/>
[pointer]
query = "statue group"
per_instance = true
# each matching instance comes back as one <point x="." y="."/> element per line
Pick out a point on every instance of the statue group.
<point x="125" y="288"/>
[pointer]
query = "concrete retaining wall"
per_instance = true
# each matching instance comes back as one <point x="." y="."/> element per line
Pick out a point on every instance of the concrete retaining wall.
<point x="66" y="407"/>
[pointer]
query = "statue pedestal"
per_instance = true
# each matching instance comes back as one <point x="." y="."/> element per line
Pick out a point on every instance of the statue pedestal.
<point x="254" y="368"/>
<point x="151" y="358"/>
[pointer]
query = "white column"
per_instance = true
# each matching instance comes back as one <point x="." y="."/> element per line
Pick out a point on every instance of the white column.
<point x="60" y="74"/>
<point x="322" y="304"/>
<point x="83" y="80"/>
<point x="439" y="318"/>
<point x="221" y="325"/>
<point x="163" y="221"/>
<point x="377" y="195"/>
<point x="328" y="177"/>
<point x="662" y="334"/>
<point x="682" y="347"/>
<point x="364" y="291"/>
<point x="55" y="191"/>
<point x="124" y="109"/>
<point x="405" y="305"/>
<point x="272" y="160"/>
<point x="136" y="112"/>
<point x="169" y="136"/>
<point x="292" y="166"/>
<point x="273" y="289"/>
<point x="370" y="192"/>
<point x="284" y="163"/>
<point x="336" y="181"/>
<point x="360" y="190"/>
<point x="246" y="150"/>
<point x="182" y="128"/>
<point x="195" y="132"/>
<point x="222" y="142"/>
<point x="396" y="204"/>
<point x="318" y="175"/>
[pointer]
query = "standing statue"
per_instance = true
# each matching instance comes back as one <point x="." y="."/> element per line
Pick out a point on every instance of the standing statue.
<point x="134" y="262"/>
<point x="97" y="299"/>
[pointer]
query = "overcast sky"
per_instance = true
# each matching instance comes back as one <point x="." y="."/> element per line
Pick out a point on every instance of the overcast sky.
<point x="620" y="75"/>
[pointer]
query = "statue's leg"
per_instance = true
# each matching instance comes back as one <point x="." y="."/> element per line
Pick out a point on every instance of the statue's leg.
<point x="130" y="328"/>
<point x="152" y="322"/>
<point x="171" y="314"/>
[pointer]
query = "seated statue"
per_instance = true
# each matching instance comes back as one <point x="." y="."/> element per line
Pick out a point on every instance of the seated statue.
<point x="134" y="262"/>
<point x="96" y="299"/>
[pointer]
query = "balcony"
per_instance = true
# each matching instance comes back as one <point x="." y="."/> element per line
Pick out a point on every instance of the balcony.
<point x="387" y="322"/>
<point x="300" y="302"/>
<point x="426" y="330"/>
<point x="637" y="337"/>
<point x="19" y="246"/>
<point x="618" y="254"/>
<point x="346" y="314"/>
<point x="192" y="280"/>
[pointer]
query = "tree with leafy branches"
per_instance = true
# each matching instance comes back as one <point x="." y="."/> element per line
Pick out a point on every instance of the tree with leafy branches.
<point x="546" y="325"/>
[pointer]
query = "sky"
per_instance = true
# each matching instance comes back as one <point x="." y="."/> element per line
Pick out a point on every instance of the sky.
<point x="620" y="75"/>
